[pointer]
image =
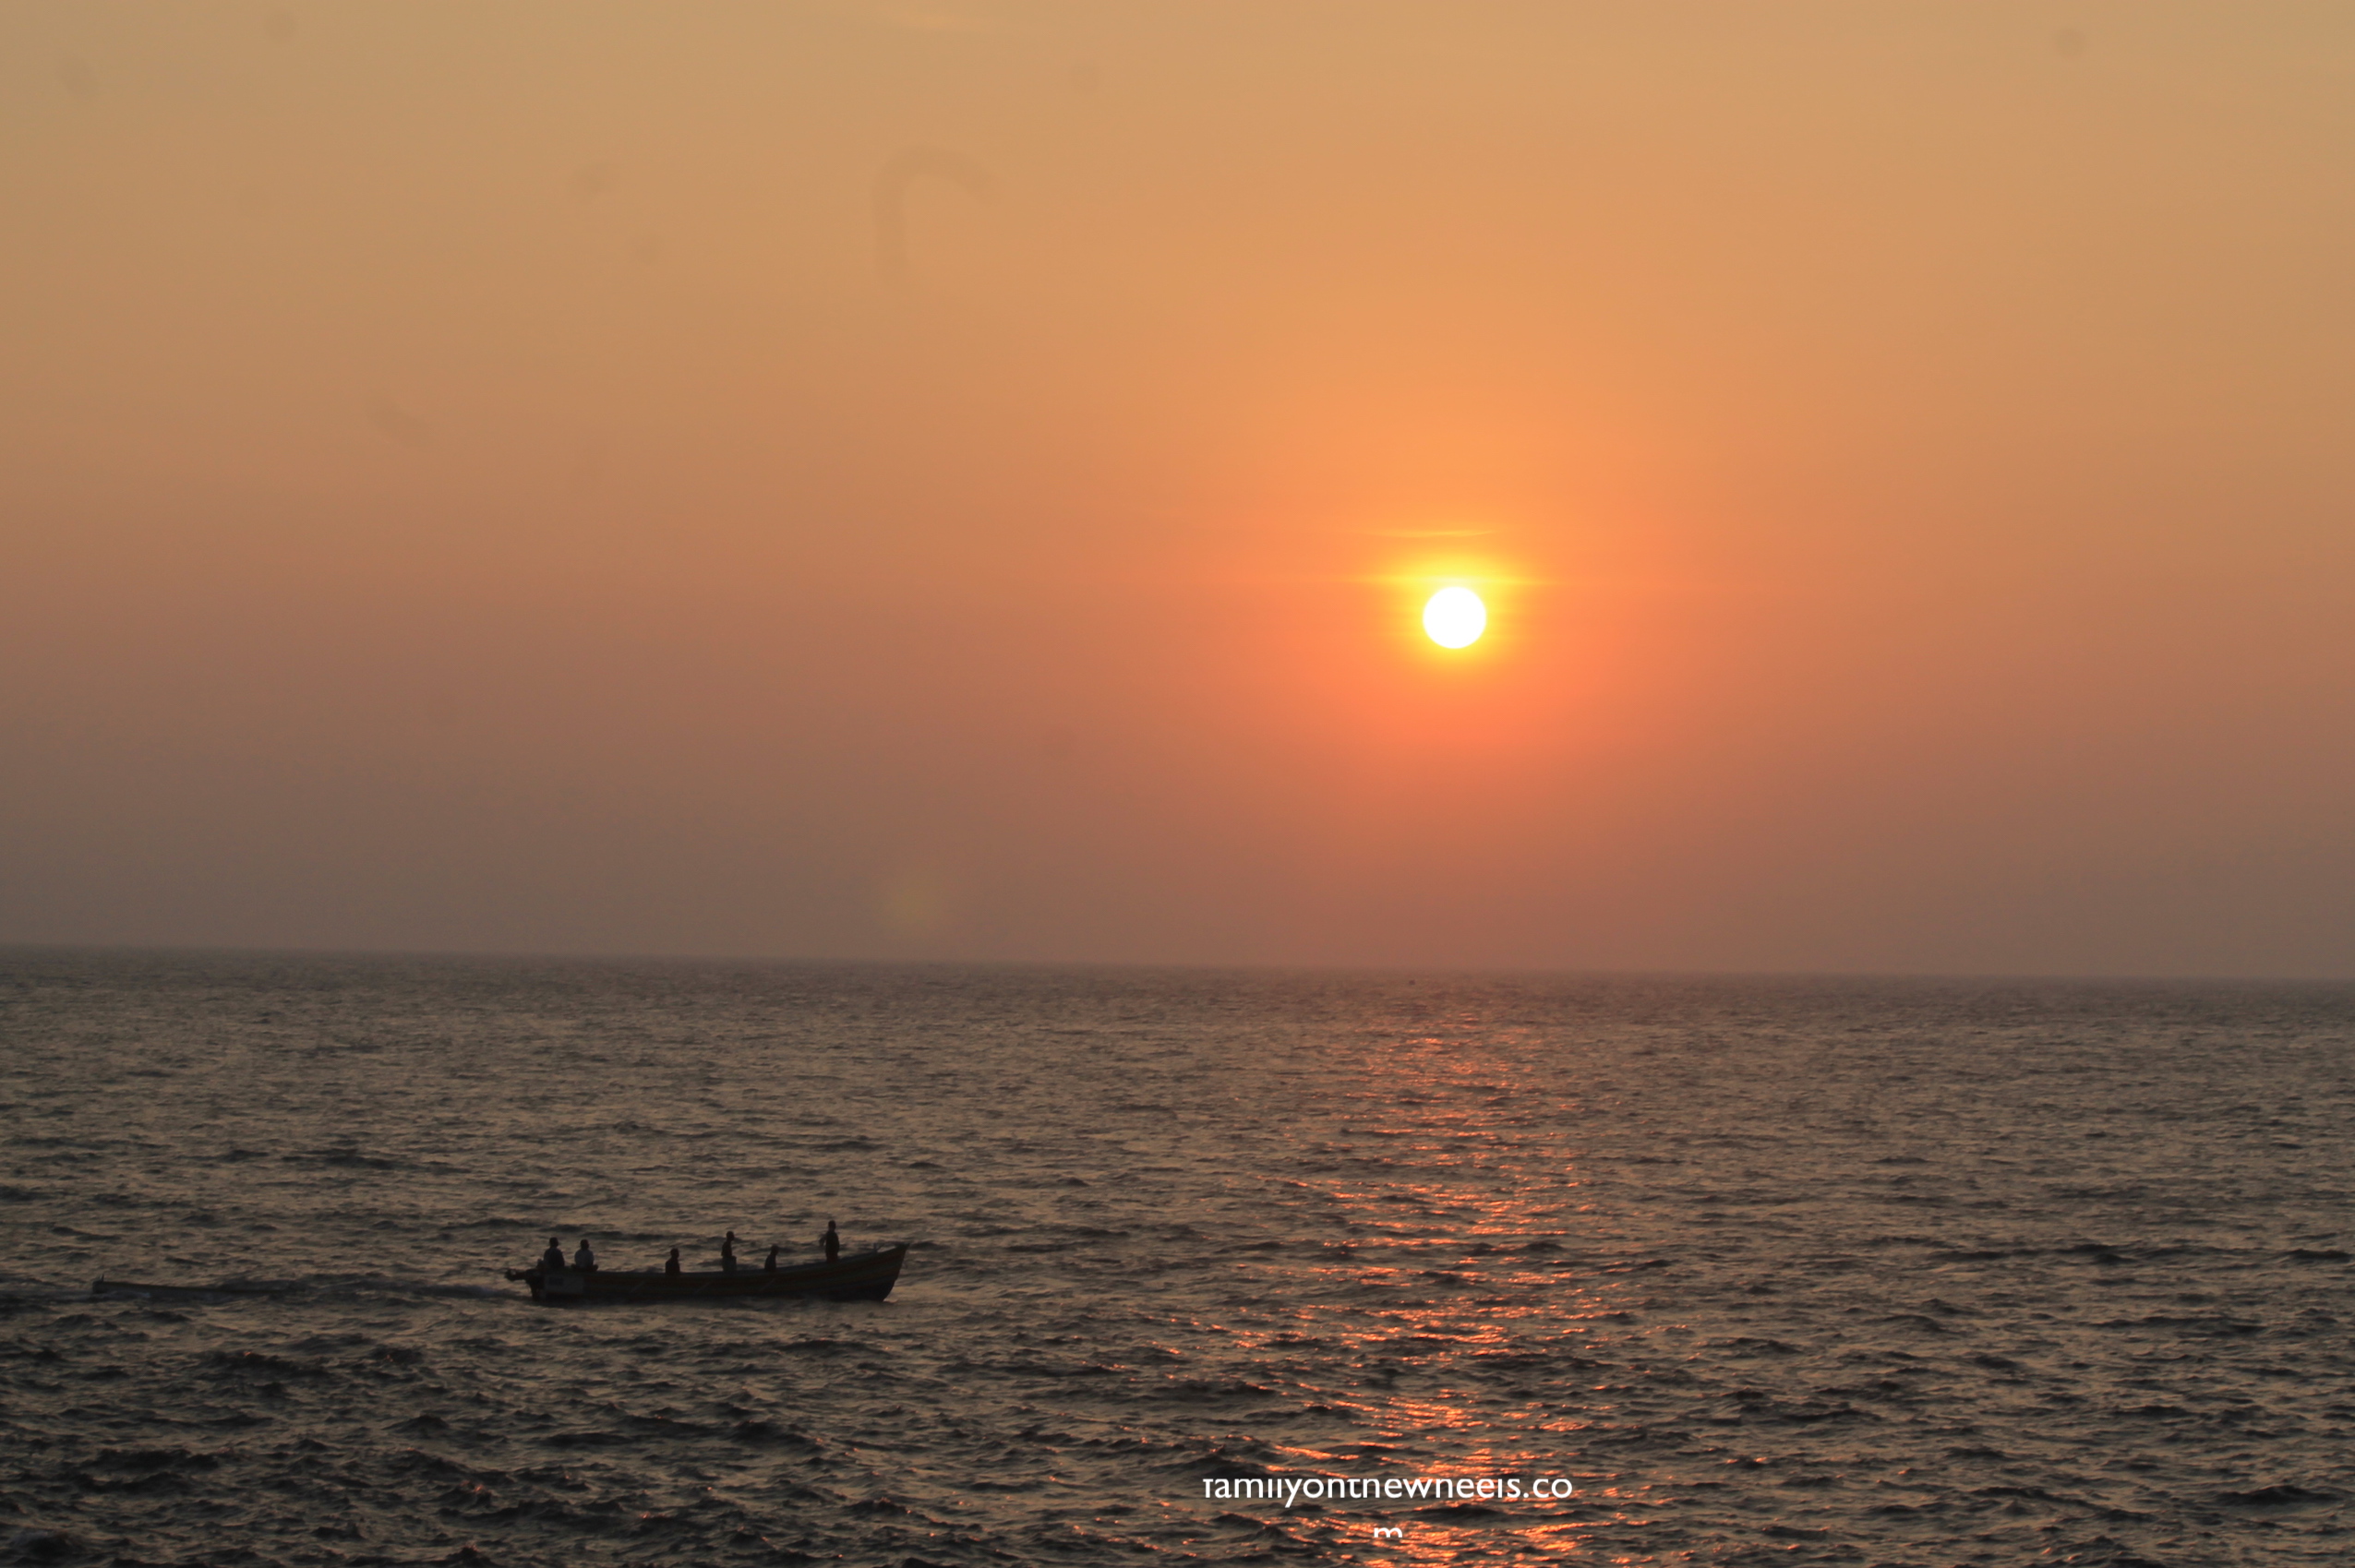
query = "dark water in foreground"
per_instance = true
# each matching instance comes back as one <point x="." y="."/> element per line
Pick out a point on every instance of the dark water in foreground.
<point x="1788" y="1271"/>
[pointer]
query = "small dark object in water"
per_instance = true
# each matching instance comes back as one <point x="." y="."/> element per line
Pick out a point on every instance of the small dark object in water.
<point x="864" y="1276"/>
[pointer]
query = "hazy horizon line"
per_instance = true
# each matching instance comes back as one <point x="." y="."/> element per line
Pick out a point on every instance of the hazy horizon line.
<point x="1194" y="965"/>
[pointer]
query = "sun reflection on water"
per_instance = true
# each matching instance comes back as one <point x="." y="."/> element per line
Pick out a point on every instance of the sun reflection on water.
<point x="1434" y="1241"/>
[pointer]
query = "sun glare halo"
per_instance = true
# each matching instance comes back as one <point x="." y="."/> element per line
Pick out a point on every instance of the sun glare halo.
<point x="1454" y="618"/>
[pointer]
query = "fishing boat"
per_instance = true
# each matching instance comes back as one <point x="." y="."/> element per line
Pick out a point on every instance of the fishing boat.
<point x="862" y="1277"/>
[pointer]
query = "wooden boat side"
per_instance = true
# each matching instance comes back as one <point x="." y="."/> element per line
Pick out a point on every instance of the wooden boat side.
<point x="863" y="1276"/>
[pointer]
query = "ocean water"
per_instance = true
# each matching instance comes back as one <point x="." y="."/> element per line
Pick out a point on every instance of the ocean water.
<point x="1774" y="1270"/>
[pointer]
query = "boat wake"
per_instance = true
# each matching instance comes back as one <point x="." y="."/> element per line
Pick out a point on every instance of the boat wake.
<point x="314" y="1288"/>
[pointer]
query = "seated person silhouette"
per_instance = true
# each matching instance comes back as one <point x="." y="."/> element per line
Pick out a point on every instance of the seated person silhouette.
<point x="582" y="1259"/>
<point x="554" y="1257"/>
<point x="670" y="1264"/>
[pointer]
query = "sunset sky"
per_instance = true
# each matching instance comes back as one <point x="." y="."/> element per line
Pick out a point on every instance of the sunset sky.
<point x="936" y="480"/>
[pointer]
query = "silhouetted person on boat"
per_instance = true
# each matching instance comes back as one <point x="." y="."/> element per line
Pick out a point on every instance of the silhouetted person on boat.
<point x="670" y="1264"/>
<point x="554" y="1257"/>
<point x="831" y="1242"/>
<point x="771" y="1265"/>
<point x="727" y="1253"/>
<point x="582" y="1259"/>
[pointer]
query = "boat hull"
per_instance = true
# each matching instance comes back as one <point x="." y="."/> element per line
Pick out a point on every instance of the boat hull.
<point x="865" y="1277"/>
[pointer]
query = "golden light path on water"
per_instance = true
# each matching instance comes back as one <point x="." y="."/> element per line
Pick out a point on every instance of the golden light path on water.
<point x="1443" y="1109"/>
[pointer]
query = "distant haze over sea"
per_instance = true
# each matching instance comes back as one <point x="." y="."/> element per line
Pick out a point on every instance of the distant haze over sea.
<point x="961" y="480"/>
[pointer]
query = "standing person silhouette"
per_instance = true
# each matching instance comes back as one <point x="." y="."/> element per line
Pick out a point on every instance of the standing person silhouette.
<point x="771" y="1264"/>
<point x="727" y="1253"/>
<point x="670" y="1264"/>
<point x="831" y="1242"/>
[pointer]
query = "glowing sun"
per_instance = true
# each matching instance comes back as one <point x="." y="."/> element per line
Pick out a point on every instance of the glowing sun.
<point x="1454" y="618"/>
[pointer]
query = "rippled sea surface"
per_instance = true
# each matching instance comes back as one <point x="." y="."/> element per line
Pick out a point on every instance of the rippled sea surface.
<point x="1773" y="1269"/>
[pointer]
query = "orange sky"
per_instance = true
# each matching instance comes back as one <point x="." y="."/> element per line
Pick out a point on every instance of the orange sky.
<point x="944" y="480"/>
